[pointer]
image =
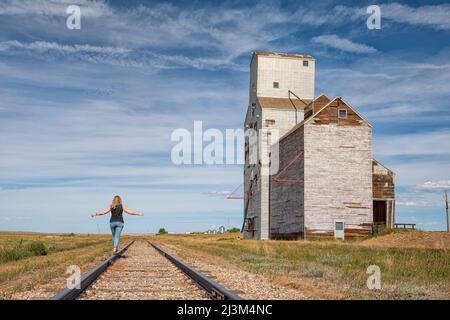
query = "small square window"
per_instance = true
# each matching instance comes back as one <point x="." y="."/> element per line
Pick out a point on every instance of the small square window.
<point x="339" y="226"/>
<point x="342" y="114"/>
<point x="305" y="63"/>
<point x="276" y="85"/>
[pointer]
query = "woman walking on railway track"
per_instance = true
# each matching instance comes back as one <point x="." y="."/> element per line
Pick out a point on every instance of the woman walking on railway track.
<point x="116" y="222"/>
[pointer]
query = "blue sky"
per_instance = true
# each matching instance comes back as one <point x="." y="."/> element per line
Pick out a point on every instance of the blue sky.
<point x="87" y="114"/>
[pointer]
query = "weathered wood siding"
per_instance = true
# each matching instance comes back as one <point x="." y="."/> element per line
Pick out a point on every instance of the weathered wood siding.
<point x="330" y="115"/>
<point x="276" y="113"/>
<point x="384" y="190"/>
<point x="383" y="182"/>
<point x="252" y="182"/>
<point x="319" y="103"/>
<point x="286" y="190"/>
<point x="338" y="179"/>
<point x="338" y="172"/>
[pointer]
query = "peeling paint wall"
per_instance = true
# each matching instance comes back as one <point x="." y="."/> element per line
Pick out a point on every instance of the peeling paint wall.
<point x="330" y="181"/>
<point x="338" y="178"/>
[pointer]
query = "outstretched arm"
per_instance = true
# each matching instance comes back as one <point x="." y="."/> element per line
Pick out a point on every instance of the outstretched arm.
<point x="132" y="212"/>
<point x="101" y="212"/>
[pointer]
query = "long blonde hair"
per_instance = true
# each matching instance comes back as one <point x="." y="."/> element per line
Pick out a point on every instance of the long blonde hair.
<point x="117" y="201"/>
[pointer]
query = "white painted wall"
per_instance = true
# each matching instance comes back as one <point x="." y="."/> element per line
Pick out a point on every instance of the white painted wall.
<point x="338" y="171"/>
<point x="289" y="73"/>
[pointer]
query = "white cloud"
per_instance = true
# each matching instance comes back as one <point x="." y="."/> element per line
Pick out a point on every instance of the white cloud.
<point x="116" y="56"/>
<point x="416" y="171"/>
<point x="42" y="46"/>
<point x="433" y="186"/>
<point x="124" y="136"/>
<point x="435" y="16"/>
<point x="342" y="44"/>
<point x="419" y="198"/>
<point x="398" y="93"/>
<point x="414" y="203"/>
<point x="218" y="34"/>
<point x="53" y="7"/>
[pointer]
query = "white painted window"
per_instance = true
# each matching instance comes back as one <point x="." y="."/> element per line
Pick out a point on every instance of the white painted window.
<point x="305" y="63"/>
<point x="276" y="85"/>
<point x="342" y="114"/>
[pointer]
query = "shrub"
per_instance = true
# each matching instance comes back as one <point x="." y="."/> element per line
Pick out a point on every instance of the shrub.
<point x="234" y="230"/>
<point x="381" y="230"/>
<point x="162" y="231"/>
<point x="37" y="248"/>
<point x="69" y="234"/>
<point x="20" y="251"/>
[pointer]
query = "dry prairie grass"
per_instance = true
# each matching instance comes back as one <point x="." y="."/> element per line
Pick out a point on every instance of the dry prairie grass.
<point x="411" y="239"/>
<point x="329" y="269"/>
<point x="37" y="276"/>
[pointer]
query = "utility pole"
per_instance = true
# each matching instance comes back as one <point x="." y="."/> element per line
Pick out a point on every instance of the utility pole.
<point x="446" y="210"/>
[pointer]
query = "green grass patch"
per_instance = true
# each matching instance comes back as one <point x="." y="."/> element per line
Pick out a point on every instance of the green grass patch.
<point x="21" y="250"/>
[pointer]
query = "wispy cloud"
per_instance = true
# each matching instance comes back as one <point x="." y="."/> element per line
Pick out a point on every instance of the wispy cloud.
<point x="435" y="16"/>
<point x="219" y="35"/>
<point x="207" y="37"/>
<point x="53" y="7"/>
<point x="433" y="186"/>
<point x="44" y="46"/>
<point x="415" y="203"/>
<point x="118" y="56"/>
<point x="386" y="95"/>
<point x="342" y="44"/>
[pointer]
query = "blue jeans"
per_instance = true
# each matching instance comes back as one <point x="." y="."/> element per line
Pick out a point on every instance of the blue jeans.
<point x="116" y="229"/>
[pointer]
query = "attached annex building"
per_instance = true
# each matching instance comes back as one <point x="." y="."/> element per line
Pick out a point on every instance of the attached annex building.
<point x="327" y="182"/>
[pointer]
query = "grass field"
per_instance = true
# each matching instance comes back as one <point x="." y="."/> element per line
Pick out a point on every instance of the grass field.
<point x="414" y="265"/>
<point x="28" y="260"/>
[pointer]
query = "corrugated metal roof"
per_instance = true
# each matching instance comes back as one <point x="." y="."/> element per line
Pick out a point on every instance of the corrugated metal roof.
<point x="282" y="103"/>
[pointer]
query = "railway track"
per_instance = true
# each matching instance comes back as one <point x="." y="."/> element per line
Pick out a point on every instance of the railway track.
<point x="146" y="271"/>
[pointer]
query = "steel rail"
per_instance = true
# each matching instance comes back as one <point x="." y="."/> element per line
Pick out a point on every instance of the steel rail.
<point x="215" y="290"/>
<point x="88" y="278"/>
